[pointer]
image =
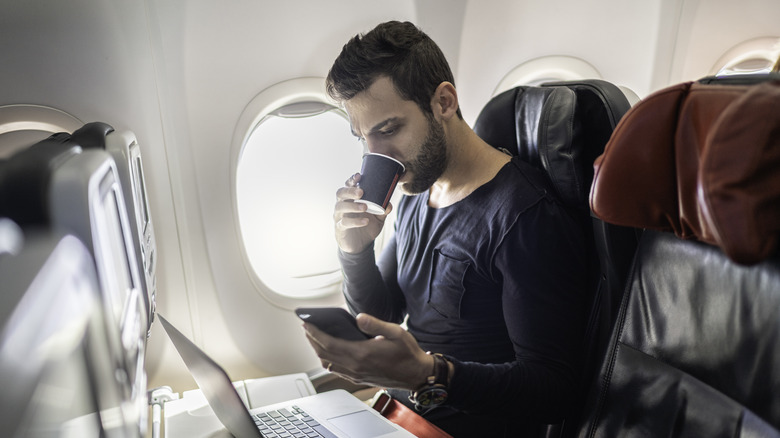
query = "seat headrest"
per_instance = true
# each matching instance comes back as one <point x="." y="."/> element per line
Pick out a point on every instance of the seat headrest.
<point x="559" y="127"/>
<point x="699" y="160"/>
<point x="92" y="135"/>
<point x="25" y="177"/>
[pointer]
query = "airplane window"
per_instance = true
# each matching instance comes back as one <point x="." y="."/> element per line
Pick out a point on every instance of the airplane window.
<point x="748" y="64"/>
<point x="547" y="69"/>
<point x="289" y="170"/>
<point x="24" y="125"/>
<point x="753" y="56"/>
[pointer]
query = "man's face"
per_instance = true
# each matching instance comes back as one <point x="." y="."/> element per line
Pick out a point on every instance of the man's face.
<point x="396" y="127"/>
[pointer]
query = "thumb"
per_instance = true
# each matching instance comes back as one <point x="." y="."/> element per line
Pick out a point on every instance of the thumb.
<point x="376" y="327"/>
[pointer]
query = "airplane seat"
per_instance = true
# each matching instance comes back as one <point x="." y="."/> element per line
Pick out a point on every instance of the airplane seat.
<point x="124" y="149"/>
<point x="696" y="348"/>
<point x="24" y="179"/>
<point x="55" y="368"/>
<point x="10" y="235"/>
<point x="561" y="128"/>
<point x="57" y="184"/>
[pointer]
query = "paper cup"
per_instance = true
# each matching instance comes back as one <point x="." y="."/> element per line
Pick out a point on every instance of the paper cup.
<point x="378" y="178"/>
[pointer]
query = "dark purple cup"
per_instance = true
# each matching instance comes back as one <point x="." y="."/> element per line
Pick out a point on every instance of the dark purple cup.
<point x="378" y="177"/>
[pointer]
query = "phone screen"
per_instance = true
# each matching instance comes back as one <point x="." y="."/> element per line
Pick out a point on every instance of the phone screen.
<point x="334" y="321"/>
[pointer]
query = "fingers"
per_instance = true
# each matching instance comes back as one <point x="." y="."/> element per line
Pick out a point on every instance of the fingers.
<point x="349" y="193"/>
<point x="391" y="358"/>
<point x="353" y="180"/>
<point x="336" y="355"/>
<point x="350" y="189"/>
<point x="348" y="214"/>
<point x="376" y="327"/>
<point x="327" y="347"/>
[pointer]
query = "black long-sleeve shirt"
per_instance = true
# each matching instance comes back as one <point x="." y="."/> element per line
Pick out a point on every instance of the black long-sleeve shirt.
<point x="497" y="282"/>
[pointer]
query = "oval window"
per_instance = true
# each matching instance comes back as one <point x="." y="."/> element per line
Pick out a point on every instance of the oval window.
<point x="547" y="69"/>
<point x="287" y="177"/>
<point x="296" y="149"/>
<point x="24" y="125"/>
<point x="749" y="57"/>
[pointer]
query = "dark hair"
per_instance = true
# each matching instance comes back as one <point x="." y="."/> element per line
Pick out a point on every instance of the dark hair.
<point x="400" y="51"/>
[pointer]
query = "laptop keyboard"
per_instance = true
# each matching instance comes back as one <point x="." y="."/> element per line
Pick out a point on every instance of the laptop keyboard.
<point x="290" y="423"/>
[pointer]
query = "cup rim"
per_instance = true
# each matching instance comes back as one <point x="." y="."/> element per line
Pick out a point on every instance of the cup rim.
<point x="373" y="207"/>
<point x="403" y="168"/>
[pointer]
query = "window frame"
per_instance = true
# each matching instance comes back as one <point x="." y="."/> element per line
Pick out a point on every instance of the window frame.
<point x="268" y="103"/>
<point x="763" y="48"/>
<point x="547" y="69"/>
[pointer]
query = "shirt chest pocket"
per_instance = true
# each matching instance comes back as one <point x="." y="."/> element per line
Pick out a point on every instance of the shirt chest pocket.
<point x="445" y="292"/>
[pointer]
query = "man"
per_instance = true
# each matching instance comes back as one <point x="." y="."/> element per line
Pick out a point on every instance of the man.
<point x="486" y="267"/>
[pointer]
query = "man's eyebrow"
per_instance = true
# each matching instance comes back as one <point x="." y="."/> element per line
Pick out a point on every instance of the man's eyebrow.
<point x="378" y="127"/>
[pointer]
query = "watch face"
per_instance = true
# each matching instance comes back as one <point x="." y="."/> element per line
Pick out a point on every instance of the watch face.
<point x="430" y="397"/>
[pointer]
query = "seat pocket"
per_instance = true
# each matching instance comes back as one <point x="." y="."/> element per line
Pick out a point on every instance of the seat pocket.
<point x="445" y="293"/>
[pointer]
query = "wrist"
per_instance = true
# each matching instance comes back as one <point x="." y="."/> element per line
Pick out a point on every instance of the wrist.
<point x="426" y="370"/>
<point x="434" y="391"/>
<point x="355" y="252"/>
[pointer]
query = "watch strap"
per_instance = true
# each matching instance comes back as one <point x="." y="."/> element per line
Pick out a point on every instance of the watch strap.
<point x="441" y="371"/>
<point x="434" y="392"/>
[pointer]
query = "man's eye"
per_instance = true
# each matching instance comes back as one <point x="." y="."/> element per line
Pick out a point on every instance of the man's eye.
<point x="387" y="132"/>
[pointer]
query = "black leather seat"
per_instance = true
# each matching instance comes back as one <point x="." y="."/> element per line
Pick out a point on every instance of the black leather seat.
<point x="561" y="128"/>
<point x="696" y="349"/>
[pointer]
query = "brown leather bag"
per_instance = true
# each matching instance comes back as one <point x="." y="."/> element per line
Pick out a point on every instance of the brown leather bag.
<point x="401" y="415"/>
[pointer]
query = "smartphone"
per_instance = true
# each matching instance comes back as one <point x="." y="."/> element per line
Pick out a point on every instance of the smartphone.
<point x="334" y="321"/>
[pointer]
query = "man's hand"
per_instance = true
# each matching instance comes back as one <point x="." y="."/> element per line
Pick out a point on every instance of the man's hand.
<point x="355" y="229"/>
<point x="390" y="359"/>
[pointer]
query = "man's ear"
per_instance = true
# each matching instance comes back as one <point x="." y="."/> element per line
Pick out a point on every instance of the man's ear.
<point x="445" y="101"/>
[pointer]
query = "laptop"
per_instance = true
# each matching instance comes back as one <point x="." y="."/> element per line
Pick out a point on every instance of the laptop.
<point x="332" y="414"/>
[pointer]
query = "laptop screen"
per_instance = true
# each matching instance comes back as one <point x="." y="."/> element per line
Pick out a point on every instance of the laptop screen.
<point x="215" y="384"/>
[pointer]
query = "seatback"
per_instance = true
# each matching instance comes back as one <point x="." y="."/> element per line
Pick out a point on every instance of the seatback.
<point x="561" y="128"/>
<point x="124" y="149"/>
<point x="56" y="369"/>
<point x="696" y="349"/>
<point x="58" y="185"/>
<point x="25" y="178"/>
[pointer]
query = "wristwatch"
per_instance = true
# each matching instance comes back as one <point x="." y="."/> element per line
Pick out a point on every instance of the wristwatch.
<point x="434" y="392"/>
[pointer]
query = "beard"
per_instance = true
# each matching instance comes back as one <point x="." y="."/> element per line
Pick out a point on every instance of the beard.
<point x="430" y="162"/>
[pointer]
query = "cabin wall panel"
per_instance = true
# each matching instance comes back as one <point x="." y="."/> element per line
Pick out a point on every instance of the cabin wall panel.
<point x="708" y="29"/>
<point x="443" y="21"/>
<point x="93" y="60"/>
<point x="612" y="35"/>
<point x="181" y="302"/>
